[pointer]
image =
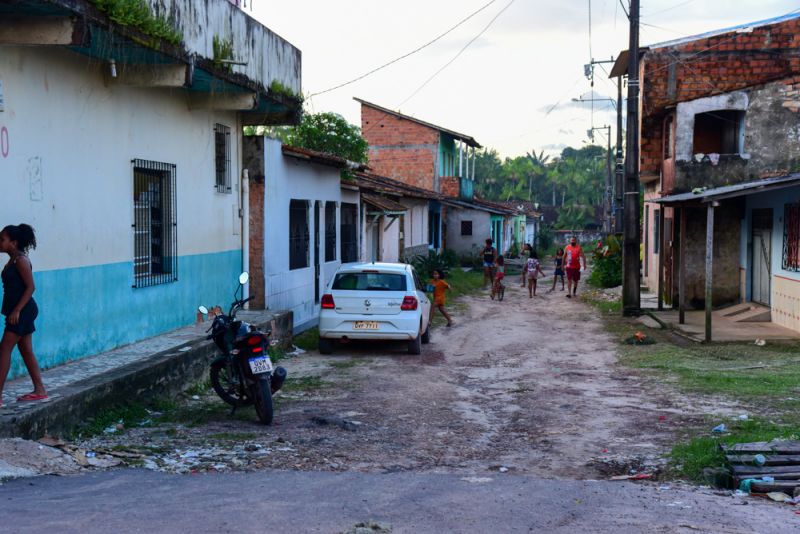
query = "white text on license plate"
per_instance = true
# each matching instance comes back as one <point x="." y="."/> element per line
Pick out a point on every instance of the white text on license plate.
<point x="365" y="325"/>
<point x="260" y="365"/>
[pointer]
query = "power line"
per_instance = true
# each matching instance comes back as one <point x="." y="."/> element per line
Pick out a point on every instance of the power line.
<point x="623" y="9"/>
<point x="463" y="49"/>
<point x="376" y="69"/>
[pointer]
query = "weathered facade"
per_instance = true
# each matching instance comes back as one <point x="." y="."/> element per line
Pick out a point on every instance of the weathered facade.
<point x="303" y="225"/>
<point x="123" y="151"/>
<point x="722" y="109"/>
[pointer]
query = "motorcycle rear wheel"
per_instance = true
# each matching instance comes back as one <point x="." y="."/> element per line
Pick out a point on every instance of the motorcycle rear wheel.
<point x="226" y="387"/>
<point x="262" y="394"/>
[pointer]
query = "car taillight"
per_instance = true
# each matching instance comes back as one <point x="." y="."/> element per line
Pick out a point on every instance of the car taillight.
<point x="409" y="303"/>
<point x="327" y="302"/>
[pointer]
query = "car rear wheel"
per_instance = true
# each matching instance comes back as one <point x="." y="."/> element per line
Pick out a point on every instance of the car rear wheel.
<point x="415" y="345"/>
<point x="426" y="336"/>
<point x="325" y="346"/>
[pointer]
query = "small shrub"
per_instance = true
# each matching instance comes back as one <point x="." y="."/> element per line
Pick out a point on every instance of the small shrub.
<point x="425" y="265"/>
<point x="607" y="264"/>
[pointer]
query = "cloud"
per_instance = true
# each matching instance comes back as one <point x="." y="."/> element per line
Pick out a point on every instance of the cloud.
<point x="564" y="131"/>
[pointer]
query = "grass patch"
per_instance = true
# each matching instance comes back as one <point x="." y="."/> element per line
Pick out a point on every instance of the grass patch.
<point x="305" y="383"/>
<point x="689" y="458"/>
<point x="464" y="283"/>
<point x="308" y="340"/>
<point x="128" y="415"/>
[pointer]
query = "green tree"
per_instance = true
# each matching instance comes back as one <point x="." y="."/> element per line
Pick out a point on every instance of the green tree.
<point x="329" y="133"/>
<point x="323" y="132"/>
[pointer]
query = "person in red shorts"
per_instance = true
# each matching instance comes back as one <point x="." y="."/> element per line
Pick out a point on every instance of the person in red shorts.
<point x="573" y="254"/>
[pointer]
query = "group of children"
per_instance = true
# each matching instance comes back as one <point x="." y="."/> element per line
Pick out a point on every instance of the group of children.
<point x="531" y="271"/>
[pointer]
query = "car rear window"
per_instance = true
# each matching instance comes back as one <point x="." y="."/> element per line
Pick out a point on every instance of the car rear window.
<point x="369" y="282"/>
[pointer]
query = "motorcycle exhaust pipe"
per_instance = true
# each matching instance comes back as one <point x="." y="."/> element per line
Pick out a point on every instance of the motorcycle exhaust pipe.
<point x="277" y="379"/>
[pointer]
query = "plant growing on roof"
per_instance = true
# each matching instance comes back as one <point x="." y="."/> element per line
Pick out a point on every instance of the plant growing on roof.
<point x="223" y="49"/>
<point x="278" y="88"/>
<point x="137" y="14"/>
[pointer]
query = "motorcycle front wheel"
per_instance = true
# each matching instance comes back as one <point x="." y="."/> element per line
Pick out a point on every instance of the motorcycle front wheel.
<point x="262" y="395"/>
<point x="226" y="386"/>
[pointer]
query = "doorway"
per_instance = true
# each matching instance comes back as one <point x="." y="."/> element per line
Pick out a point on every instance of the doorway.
<point x="317" y="266"/>
<point x="761" y="257"/>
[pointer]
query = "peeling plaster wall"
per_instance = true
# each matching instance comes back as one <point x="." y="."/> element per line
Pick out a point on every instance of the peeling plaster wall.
<point x="269" y="57"/>
<point x="684" y="135"/>
<point x="771" y="137"/>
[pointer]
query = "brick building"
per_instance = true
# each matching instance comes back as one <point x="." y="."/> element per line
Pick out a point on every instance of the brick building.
<point x="720" y="123"/>
<point x="438" y="159"/>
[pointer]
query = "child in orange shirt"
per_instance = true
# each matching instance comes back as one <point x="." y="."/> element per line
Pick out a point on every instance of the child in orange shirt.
<point x="439" y="288"/>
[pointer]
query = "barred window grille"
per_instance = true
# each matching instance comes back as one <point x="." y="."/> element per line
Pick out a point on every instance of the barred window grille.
<point x="466" y="228"/>
<point x="349" y="232"/>
<point x="330" y="231"/>
<point x="791" y="237"/>
<point x="155" y="240"/>
<point x="298" y="234"/>
<point x="222" y="158"/>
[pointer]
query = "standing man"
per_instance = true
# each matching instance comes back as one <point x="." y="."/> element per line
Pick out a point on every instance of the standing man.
<point x="573" y="254"/>
<point x="489" y="254"/>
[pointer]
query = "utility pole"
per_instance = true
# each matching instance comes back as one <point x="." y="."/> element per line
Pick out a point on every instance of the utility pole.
<point x="620" y="167"/>
<point x="631" y="274"/>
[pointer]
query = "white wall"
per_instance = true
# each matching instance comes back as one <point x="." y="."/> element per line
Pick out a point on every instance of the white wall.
<point x="66" y="166"/>
<point x="286" y="179"/>
<point x="416" y="222"/>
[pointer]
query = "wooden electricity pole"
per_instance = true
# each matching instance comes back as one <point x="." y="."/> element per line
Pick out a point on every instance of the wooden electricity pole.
<point x="631" y="274"/>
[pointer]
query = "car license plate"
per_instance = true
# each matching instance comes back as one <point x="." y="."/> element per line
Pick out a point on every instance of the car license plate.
<point x="365" y="325"/>
<point x="260" y="365"/>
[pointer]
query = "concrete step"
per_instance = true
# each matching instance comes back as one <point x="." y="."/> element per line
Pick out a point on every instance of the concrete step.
<point x="757" y="314"/>
<point x="748" y="312"/>
<point x="737" y="309"/>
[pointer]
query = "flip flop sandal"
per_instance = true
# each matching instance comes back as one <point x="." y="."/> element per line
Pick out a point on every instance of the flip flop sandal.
<point x="31" y="397"/>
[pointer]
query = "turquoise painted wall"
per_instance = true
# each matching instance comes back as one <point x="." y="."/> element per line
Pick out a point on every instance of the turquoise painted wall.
<point x="87" y="310"/>
<point x="448" y="156"/>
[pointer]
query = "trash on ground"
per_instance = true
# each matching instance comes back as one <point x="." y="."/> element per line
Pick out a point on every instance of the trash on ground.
<point x="720" y="428"/>
<point x="760" y="342"/>
<point x="765" y="466"/>
<point x="637" y="476"/>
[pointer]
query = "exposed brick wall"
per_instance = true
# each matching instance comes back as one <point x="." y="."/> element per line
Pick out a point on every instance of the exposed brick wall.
<point x="257" y="290"/>
<point x="450" y="186"/>
<point x="712" y="66"/>
<point x="399" y="148"/>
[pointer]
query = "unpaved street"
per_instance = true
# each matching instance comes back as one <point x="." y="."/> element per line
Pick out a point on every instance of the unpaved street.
<point x="517" y="393"/>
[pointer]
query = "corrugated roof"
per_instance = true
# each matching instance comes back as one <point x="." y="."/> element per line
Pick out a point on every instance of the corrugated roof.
<point x="731" y="191"/>
<point x="383" y="184"/>
<point x="469" y="140"/>
<point x="383" y="203"/>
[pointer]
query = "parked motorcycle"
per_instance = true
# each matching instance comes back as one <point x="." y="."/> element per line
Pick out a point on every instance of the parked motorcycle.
<point x="243" y="374"/>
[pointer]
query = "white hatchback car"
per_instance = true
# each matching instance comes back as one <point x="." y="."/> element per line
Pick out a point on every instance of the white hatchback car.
<point x="375" y="301"/>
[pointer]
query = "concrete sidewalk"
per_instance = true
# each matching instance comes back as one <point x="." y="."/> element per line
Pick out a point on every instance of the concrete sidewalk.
<point x="153" y="367"/>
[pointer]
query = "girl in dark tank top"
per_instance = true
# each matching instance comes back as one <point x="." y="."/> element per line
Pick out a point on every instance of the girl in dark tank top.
<point x="19" y="308"/>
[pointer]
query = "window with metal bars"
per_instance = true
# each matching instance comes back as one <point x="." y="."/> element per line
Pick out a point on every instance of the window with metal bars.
<point x="330" y="231"/>
<point x="791" y="237"/>
<point x="349" y="232"/>
<point x="466" y="228"/>
<point x="298" y="234"/>
<point x="222" y="158"/>
<point x="155" y="239"/>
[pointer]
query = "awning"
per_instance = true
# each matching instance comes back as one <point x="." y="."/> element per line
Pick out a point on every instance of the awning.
<point x="384" y="205"/>
<point x="705" y="196"/>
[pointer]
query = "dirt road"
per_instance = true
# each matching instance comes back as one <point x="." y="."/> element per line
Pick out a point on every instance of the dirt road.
<point x="517" y="394"/>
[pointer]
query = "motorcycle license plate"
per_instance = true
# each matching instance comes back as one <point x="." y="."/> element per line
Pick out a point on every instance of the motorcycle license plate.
<point x="260" y="365"/>
<point x="365" y="325"/>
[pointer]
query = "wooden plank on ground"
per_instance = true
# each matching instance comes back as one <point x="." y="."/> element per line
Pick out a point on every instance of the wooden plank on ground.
<point x="786" y="486"/>
<point x="777" y="476"/>
<point x="765" y="470"/>
<point x="764" y="447"/>
<point x="771" y="459"/>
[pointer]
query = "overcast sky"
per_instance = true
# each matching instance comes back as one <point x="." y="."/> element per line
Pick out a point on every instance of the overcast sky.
<point x="501" y="88"/>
